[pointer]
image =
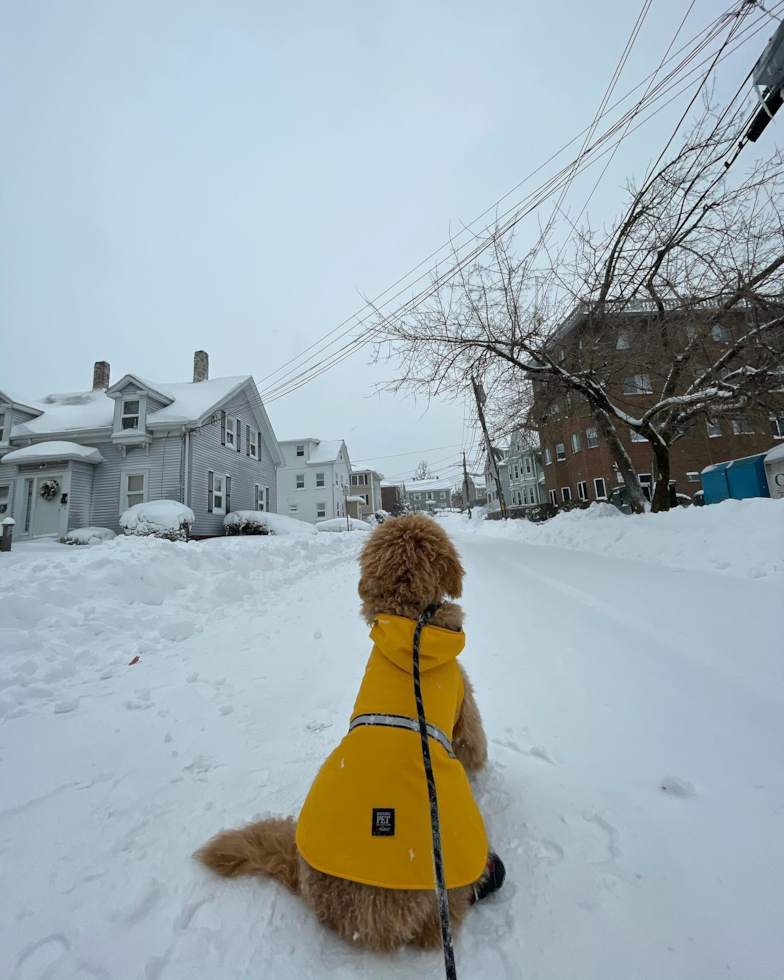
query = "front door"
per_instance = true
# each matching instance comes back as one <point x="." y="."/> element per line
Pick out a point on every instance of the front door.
<point x="46" y="513"/>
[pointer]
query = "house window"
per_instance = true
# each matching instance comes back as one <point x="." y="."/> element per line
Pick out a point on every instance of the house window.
<point x="529" y="470"/>
<point x="430" y="495"/>
<point x="2" y="426"/>
<point x="556" y="410"/>
<point x="441" y="493"/>
<point x="600" y="488"/>
<point x="261" y="497"/>
<point x="575" y="442"/>
<point x="218" y="494"/>
<point x="516" y="472"/>
<point x="548" y="457"/>
<point x="134" y="490"/>
<point x="592" y="438"/>
<point x="293" y="508"/>
<point x="566" y="494"/>
<point x="553" y="498"/>
<point x="417" y="496"/>
<point x="5" y="497"/>
<point x="582" y="490"/>
<point x="693" y="477"/>
<point x="637" y="384"/>
<point x="741" y="426"/>
<point x="319" y="479"/>
<point x="253" y="443"/>
<point x="721" y="333"/>
<point x="560" y="452"/>
<point x="300" y="450"/>
<point x="232" y="430"/>
<point x="623" y="342"/>
<point x="636" y="437"/>
<point x="646" y="483"/>
<point x="300" y="481"/>
<point x="714" y="430"/>
<point x="777" y="426"/>
<point x="130" y="415"/>
<point x="321" y="509"/>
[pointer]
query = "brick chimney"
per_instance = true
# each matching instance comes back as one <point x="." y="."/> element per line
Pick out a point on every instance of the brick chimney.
<point x="100" y="375"/>
<point x="201" y="366"/>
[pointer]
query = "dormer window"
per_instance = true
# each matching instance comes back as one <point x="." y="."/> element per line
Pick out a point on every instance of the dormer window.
<point x="300" y="450"/>
<point x="130" y="414"/>
<point x="3" y="427"/>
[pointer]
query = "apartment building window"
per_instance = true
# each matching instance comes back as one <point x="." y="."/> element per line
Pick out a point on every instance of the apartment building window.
<point x="319" y="479"/>
<point x="777" y="426"/>
<point x="714" y="430"/>
<point x="516" y="472"/>
<point x="553" y="498"/>
<point x="556" y="410"/>
<point x="560" y="452"/>
<point x="624" y="341"/>
<point x="566" y="494"/>
<point x="721" y="333"/>
<point x="592" y="438"/>
<point x="568" y="400"/>
<point x="300" y="481"/>
<point x="741" y="426"/>
<point x="637" y="384"/>
<point x="130" y="415"/>
<point x="582" y="490"/>
<point x="321" y="509"/>
<point x="5" y="497"/>
<point x="646" y="483"/>
<point x="693" y="477"/>
<point x="575" y="442"/>
<point x="529" y="470"/>
<point x="300" y="450"/>
<point x="253" y="443"/>
<point x="636" y="437"/>
<point x="548" y="456"/>
<point x="600" y="488"/>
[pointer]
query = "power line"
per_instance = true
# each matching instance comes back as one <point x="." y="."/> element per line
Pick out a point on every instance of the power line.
<point x="413" y="452"/>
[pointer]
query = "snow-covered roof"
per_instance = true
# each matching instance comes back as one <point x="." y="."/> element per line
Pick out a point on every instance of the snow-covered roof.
<point x="53" y="450"/>
<point x="776" y="453"/>
<point x="10" y="397"/>
<point x="355" y="500"/>
<point x="68" y="410"/>
<point x="299" y="442"/>
<point x="326" y="452"/>
<point x="191" y="401"/>
<point x="415" y="486"/>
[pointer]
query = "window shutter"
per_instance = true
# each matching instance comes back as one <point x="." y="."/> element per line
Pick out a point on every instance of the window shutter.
<point x="247" y="440"/>
<point x="209" y="491"/>
<point x="256" y="497"/>
<point x="228" y="494"/>
<point x="266" y="499"/>
<point x="238" y="426"/>
<point x="223" y="428"/>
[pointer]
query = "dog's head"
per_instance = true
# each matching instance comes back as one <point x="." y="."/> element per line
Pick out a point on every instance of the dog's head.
<point x="406" y="565"/>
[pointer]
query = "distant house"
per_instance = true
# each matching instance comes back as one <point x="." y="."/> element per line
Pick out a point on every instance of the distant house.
<point x="525" y="472"/>
<point x="391" y="493"/>
<point x="313" y="482"/>
<point x="429" y="494"/>
<point x="82" y="458"/>
<point x="366" y="485"/>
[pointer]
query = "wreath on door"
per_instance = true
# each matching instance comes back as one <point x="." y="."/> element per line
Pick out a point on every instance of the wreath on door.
<point x="49" y="489"/>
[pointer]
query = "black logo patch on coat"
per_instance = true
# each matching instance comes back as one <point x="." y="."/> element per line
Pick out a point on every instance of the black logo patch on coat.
<point x="383" y="822"/>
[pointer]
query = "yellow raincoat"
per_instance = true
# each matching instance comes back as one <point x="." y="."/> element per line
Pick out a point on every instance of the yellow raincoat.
<point x="367" y="815"/>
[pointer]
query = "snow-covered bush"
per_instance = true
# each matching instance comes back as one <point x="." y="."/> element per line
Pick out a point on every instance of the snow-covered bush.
<point x="338" y="524"/>
<point x="88" y="535"/>
<point x="258" y="522"/>
<point x="168" y="519"/>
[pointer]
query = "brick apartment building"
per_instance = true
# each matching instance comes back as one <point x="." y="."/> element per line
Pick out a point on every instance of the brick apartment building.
<point x="577" y="462"/>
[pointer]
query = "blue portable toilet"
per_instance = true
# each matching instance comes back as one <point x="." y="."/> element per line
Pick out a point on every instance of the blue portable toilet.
<point x="747" y="478"/>
<point x="714" y="483"/>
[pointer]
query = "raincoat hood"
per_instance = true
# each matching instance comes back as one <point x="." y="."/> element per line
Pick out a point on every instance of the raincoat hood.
<point x="394" y="637"/>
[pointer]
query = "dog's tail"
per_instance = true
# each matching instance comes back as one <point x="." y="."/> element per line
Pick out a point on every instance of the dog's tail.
<point x="267" y="847"/>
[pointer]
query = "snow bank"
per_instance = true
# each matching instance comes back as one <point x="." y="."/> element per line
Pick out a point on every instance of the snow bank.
<point x="89" y="535"/>
<point x="161" y="518"/>
<point x="274" y="523"/>
<point x="339" y="524"/>
<point x="737" y="537"/>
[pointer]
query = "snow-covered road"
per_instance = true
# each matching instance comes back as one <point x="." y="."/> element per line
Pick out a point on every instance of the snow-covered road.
<point x="635" y="788"/>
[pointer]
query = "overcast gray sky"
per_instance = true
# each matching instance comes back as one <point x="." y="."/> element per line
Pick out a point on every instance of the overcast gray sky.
<point x="177" y="174"/>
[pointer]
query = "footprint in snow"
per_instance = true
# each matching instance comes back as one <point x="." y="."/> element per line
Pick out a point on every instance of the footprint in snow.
<point x="673" y="786"/>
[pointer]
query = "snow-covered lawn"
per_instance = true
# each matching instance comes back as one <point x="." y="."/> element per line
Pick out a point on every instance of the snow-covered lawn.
<point x="634" y="708"/>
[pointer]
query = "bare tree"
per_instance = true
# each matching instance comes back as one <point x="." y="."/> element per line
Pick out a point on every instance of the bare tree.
<point x="422" y="472"/>
<point x="674" y="315"/>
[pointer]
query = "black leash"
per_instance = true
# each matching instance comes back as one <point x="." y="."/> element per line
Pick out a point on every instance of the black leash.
<point x="435" y="823"/>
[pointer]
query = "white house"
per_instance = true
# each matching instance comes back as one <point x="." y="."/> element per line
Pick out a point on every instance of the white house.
<point x="314" y="480"/>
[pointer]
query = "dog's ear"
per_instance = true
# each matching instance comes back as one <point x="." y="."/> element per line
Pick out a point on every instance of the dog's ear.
<point x="453" y="571"/>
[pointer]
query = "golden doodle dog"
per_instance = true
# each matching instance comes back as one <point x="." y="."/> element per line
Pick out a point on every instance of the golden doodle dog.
<point x="360" y="854"/>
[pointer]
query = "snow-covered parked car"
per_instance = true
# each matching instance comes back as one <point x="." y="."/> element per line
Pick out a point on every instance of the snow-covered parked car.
<point x="167" y="519"/>
<point x="88" y="535"/>
<point x="259" y="522"/>
<point x="339" y="524"/>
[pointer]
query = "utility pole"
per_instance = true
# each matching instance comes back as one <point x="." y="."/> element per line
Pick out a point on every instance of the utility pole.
<point x="481" y="398"/>
<point x="345" y="505"/>
<point x="466" y="495"/>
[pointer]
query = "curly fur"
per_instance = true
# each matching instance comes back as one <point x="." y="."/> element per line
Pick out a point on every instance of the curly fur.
<point x="406" y="565"/>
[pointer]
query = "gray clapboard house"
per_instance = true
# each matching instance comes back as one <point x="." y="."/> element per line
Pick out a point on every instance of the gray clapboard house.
<point x="80" y="459"/>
